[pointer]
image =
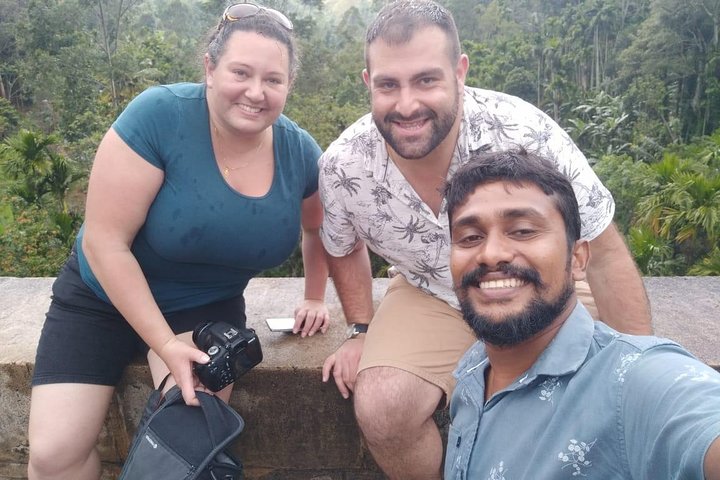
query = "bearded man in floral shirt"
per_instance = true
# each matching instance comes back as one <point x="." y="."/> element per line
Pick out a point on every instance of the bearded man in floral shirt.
<point x="381" y="185"/>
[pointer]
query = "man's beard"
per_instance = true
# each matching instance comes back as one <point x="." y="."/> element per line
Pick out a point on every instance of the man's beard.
<point x="415" y="149"/>
<point x="516" y="328"/>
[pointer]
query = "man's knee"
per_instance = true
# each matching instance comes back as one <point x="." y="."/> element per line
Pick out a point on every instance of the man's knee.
<point x="390" y="402"/>
<point x="375" y="394"/>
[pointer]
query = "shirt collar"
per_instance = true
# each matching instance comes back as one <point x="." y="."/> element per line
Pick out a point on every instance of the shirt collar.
<point x="570" y="347"/>
<point x="565" y="353"/>
<point x="377" y="159"/>
<point x="470" y="130"/>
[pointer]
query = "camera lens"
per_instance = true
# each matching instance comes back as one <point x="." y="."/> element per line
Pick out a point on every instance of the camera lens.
<point x="198" y="331"/>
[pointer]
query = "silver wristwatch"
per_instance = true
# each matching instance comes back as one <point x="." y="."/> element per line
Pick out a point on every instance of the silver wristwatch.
<point x="356" y="329"/>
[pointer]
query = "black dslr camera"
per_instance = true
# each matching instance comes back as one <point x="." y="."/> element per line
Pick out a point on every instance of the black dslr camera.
<point x="233" y="351"/>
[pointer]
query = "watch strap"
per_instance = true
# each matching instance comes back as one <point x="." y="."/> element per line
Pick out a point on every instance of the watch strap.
<point x="356" y="329"/>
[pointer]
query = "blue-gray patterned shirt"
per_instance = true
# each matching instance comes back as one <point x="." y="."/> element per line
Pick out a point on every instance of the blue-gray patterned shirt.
<point x="366" y="197"/>
<point x="596" y="404"/>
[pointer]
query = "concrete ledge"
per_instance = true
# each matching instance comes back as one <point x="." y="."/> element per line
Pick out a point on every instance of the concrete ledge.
<point x="296" y="427"/>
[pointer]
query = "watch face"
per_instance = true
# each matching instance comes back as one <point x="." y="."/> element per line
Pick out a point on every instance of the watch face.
<point x="356" y="329"/>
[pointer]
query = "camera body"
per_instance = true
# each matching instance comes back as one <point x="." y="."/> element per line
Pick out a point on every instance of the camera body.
<point x="233" y="351"/>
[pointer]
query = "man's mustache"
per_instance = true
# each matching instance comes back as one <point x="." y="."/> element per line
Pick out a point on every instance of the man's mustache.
<point x="420" y="114"/>
<point x="526" y="274"/>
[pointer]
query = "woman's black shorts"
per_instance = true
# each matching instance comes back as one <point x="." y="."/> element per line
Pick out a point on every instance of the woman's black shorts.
<point x="86" y="340"/>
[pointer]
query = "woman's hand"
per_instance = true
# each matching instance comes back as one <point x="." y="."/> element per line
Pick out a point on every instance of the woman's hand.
<point x="311" y="316"/>
<point x="179" y="357"/>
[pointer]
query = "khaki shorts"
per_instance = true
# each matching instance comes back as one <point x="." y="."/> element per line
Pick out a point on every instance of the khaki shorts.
<point x="423" y="335"/>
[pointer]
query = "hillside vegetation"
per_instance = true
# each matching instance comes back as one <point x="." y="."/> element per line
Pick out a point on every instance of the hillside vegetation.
<point x="636" y="83"/>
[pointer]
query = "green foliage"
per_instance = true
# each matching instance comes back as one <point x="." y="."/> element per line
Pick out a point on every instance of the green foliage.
<point x="671" y="208"/>
<point x="506" y="67"/>
<point x="636" y="83"/>
<point x="653" y="255"/>
<point x="710" y="265"/>
<point x="322" y="116"/>
<point x="27" y="160"/>
<point x="6" y="216"/>
<point x="599" y="126"/>
<point x="32" y="244"/>
<point x="36" y="222"/>
<point x="38" y="171"/>
<point x="9" y="118"/>
<point x="685" y="210"/>
<point x="677" y="45"/>
<point x="627" y="180"/>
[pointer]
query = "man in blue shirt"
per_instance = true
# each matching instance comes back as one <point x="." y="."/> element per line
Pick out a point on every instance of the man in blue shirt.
<point x="548" y="393"/>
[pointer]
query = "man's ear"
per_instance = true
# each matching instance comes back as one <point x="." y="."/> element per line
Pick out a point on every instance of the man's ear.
<point x="461" y="69"/>
<point x="580" y="259"/>
<point x="366" y="77"/>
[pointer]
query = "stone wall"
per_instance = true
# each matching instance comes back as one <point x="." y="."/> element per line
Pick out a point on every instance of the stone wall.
<point x="296" y="426"/>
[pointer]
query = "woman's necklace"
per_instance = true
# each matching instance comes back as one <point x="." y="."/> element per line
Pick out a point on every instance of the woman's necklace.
<point x="226" y="169"/>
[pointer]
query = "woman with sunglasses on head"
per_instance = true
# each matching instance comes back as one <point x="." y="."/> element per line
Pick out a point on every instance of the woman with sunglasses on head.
<point x="195" y="189"/>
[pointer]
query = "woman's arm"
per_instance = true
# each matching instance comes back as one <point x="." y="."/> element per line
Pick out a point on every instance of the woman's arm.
<point x="121" y="189"/>
<point x="312" y="315"/>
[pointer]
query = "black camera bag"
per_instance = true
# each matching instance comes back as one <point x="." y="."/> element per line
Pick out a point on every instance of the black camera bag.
<point x="175" y="441"/>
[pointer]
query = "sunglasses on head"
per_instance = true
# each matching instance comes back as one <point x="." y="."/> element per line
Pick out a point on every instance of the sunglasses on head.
<point x="245" y="10"/>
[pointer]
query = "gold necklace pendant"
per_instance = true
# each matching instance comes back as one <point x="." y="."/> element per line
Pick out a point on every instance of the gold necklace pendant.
<point x="226" y="170"/>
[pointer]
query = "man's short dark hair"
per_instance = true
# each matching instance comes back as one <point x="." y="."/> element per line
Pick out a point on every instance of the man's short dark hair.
<point x="517" y="167"/>
<point x="397" y="22"/>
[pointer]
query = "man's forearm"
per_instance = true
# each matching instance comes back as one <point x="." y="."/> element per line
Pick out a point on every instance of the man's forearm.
<point x="616" y="285"/>
<point x="352" y="277"/>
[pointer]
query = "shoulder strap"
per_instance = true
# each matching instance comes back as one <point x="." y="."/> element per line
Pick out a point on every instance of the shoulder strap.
<point x="164" y="381"/>
<point x="217" y="416"/>
<point x="223" y="422"/>
<point x="174" y="395"/>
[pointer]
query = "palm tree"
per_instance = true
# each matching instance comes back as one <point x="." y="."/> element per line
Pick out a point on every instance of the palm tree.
<point x="709" y="265"/>
<point x="653" y="255"/>
<point x="27" y="153"/>
<point x="684" y="208"/>
<point x="60" y="179"/>
<point x="28" y="158"/>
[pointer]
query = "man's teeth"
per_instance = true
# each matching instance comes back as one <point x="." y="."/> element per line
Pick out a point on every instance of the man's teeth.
<point x="503" y="283"/>
<point x="411" y="125"/>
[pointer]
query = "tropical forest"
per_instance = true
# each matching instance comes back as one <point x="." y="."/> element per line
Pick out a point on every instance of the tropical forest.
<point x="636" y="84"/>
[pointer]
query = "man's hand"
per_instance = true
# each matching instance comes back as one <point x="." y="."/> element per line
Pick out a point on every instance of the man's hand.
<point x="344" y="365"/>
<point x="179" y="358"/>
<point x="311" y="316"/>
